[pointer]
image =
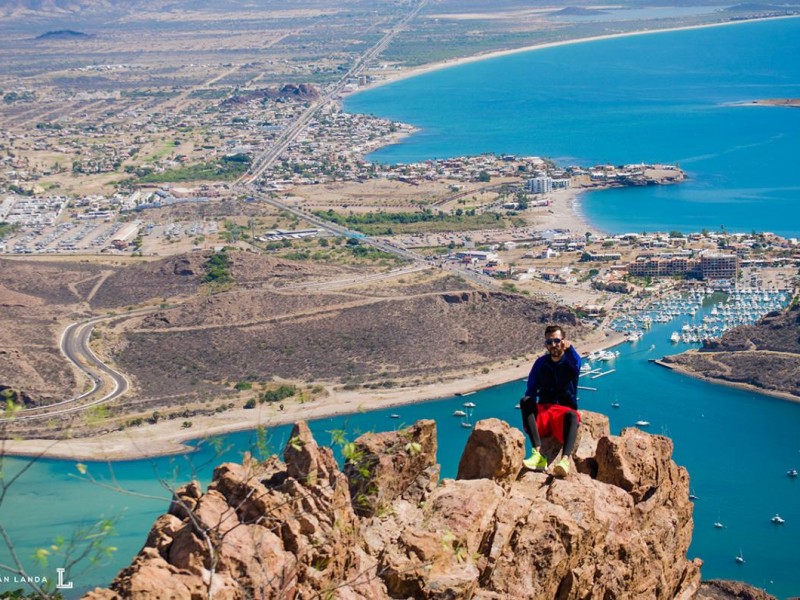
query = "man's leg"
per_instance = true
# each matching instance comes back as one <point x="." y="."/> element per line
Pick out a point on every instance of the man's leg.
<point x="529" y="416"/>
<point x="569" y="433"/>
<point x="528" y="408"/>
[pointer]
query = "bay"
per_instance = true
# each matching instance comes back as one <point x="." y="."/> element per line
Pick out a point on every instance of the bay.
<point x="675" y="97"/>
<point x="667" y="97"/>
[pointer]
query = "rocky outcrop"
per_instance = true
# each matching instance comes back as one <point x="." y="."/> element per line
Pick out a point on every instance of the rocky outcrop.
<point x="383" y="527"/>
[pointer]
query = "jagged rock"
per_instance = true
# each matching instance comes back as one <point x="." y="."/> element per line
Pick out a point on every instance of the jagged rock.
<point x="278" y="532"/>
<point x="636" y="462"/>
<point x="307" y="461"/>
<point x="494" y="451"/>
<point x="593" y="427"/>
<point x="382" y="466"/>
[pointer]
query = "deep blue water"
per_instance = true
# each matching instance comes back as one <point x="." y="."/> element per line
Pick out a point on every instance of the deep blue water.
<point x="662" y="97"/>
<point x="659" y="97"/>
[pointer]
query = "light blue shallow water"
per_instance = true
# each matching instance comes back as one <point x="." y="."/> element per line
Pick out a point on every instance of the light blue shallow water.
<point x="664" y="97"/>
<point x="667" y="102"/>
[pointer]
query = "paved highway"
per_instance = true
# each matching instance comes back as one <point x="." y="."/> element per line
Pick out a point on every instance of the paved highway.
<point x="288" y="135"/>
<point x="75" y="346"/>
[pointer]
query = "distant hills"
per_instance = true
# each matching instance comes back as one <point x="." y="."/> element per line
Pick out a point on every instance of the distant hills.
<point x="62" y="34"/>
<point x="88" y="8"/>
<point x="759" y="6"/>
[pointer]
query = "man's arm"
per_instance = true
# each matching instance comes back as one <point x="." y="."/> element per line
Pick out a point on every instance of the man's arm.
<point x="531" y="389"/>
<point x="572" y="357"/>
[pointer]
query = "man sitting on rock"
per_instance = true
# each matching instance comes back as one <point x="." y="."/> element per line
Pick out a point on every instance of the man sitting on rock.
<point x="550" y="405"/>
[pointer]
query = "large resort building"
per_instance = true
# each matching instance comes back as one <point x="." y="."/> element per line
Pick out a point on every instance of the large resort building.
<point x="707" y="266"/>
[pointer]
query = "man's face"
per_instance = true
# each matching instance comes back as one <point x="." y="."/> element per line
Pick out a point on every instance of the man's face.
<point x="554" y="342"/>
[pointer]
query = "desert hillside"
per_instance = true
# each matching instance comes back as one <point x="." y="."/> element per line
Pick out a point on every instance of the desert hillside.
<point x="765" y="355"/>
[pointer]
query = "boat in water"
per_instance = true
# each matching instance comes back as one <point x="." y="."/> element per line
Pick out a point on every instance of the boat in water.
<point x="466" y="424"/>
<point x="718" y="525"/>
<point x="740" y="558"/>
<point x="469" y="405"/>
<point x="459" y="413"/>
<point x="791" y="473"/>
<point x="778" y="520"/>
<point x="642" y="423"/>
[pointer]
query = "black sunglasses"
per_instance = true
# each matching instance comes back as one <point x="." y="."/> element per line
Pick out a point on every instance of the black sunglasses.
<point x="552" y="341"/>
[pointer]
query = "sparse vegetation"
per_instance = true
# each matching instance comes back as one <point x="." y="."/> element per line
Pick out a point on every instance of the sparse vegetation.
<point x="426" y="220"/>
<point x="218" y="269"/>
<point x="227" y="168"/>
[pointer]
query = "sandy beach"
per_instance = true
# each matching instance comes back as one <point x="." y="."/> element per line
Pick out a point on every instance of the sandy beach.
<point x="400" y="73"/>
<point x="168" y="437"/>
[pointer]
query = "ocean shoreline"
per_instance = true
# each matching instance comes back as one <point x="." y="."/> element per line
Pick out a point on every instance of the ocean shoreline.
<point x="169" y="437"/>
<point x="407" y="73"/>
<point x="581" y="219"/>
<point x="746" y="387"/>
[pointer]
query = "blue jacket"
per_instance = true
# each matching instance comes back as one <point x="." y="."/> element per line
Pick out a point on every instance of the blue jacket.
<point x="555" y="382"/>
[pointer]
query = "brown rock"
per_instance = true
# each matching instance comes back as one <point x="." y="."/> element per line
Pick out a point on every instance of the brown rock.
<point x="383" y="466"/>
<point x="305" y="461"/>
<point x="277" y="531"/>
<point x="494" y="450"/>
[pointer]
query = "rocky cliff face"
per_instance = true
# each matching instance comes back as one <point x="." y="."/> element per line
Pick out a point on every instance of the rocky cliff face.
<point x="386" y="527"/>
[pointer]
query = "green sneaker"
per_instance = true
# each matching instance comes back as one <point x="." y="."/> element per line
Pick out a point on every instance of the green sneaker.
<point x="536" y="461"/>
<point x="562" y="468"/>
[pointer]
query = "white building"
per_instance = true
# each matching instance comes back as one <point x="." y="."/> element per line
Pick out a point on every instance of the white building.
<point x="539" y="185"/>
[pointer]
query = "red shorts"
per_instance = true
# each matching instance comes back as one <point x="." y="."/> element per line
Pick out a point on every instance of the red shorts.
<point x="550" y="420"/>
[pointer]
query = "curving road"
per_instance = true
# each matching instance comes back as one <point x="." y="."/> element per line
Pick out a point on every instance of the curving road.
<point x="75" y="347"/>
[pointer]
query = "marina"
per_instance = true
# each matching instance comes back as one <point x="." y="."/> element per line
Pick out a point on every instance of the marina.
<point x="702" y="313"/>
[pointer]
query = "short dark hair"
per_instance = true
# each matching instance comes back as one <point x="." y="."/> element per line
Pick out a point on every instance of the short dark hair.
<point x="552" y="329"/>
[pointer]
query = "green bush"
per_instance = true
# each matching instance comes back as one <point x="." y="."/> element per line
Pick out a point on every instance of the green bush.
<point x="276" y="395"/>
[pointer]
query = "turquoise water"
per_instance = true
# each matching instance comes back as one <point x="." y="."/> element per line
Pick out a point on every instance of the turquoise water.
<point x="736" y="445"/>
<point x="667" y="101"/>
<point x="664" y="97"/>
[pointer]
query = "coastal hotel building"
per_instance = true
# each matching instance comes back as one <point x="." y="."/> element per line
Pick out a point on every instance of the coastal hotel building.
<point x="707" y="266"/>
